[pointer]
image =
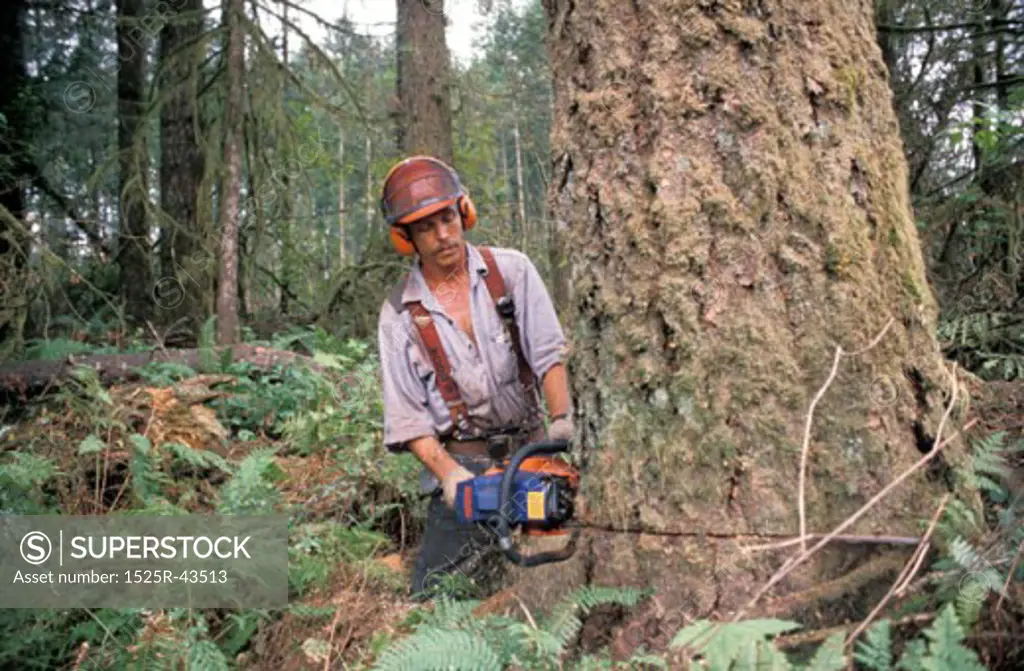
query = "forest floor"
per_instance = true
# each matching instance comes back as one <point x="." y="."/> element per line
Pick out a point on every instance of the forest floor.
<point x="287" y="435"/>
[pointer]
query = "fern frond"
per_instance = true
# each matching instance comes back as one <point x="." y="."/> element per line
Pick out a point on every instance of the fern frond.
<point x="724" y="644"/>
<point x="146" y="476"/>
<point x="204" y="655"/>
<point x="592" y="596"/>
<point x="432" y="648"/>
<point x="246" y="493"/>
<point x="875" y="650"/>
<point x="198" y="458"/>
<point x="913" y="656"/>
<point x="945" y="649"/>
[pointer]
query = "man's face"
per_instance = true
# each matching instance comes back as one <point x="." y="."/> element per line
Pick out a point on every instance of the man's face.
<point x="438" y="239"/>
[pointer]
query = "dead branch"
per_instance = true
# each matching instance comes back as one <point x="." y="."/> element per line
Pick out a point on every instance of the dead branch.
<point x="905" y="576"/>
<point x="818" y="635"/>
<point x="1009" y="575"/>
<point x="30" y="377"/>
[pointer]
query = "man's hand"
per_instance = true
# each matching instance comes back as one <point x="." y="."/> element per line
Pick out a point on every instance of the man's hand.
<point x="561" y="429"/>
<point x="450" y="483"/>
<point x="444" y="467"/>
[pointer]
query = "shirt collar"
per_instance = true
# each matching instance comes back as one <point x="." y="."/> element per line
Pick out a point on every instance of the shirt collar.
<point x="416" y="288"/>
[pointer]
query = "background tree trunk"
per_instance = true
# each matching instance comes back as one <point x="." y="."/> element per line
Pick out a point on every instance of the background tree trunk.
<point x="227" y="283"/>
<point x="14" y="134"/>
<point x="133" y="160"/>
<point x="734" y="192"/>
<point x="424" y="115"/>
<point x="185" y="265"/>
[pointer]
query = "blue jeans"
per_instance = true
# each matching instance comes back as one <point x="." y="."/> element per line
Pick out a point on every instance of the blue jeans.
<point x="459" y="560"/>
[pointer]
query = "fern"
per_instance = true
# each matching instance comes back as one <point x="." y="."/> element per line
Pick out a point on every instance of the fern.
<point x="146" y="476"/>
<point x="207" y="339"/>
<point x="988" y="465"/>
<point x="945" y="649"/>
<point x="204" y="655"/>
<point x="988" y="343"/>
<point x="724" y="644"/>
<point x="434" y="648"/>
<point x="913" y="656"/>
<point x="200" y="459"/>
<point x="875" y="651"/>
<point x="496" y="641"/>
<point x="247" y="492"/>
<point x="21" y="481"/>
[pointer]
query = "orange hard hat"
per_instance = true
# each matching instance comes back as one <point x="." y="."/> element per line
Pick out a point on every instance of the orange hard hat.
<point x="418" y="187"/>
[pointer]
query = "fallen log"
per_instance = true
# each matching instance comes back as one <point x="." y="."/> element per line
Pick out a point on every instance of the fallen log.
<point x="32" y="377"/>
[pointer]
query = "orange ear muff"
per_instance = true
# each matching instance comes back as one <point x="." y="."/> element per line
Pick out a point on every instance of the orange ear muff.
<point x="400" y="242"/>
<point x="468" y="211"/>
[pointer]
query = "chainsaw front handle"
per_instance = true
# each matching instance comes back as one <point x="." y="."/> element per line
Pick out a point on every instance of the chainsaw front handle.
<point x="545" y="447"/>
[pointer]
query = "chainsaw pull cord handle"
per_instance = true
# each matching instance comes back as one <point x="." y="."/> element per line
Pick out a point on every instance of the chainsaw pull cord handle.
<point x="508" y="477"/>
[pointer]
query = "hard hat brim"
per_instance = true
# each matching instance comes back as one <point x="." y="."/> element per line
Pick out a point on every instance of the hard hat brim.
<point x="426" y="211"/>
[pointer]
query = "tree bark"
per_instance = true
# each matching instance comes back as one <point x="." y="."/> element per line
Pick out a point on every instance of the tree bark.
<point x="287" y="220"/>
<point x="524" y="228"/>
<point x="186" y="266"/>
<point x="342" y="184"/>
<point x="371" y="229"/>
<point x="424" y="114"/>
<point x="227" y="284"/>
<point x="731" y="182"/>
<point x="133" y="160"/>
<point x="16" y="131"/>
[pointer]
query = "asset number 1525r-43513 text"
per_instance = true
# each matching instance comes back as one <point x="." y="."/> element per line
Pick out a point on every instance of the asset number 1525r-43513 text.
<point x="139" y="576"/>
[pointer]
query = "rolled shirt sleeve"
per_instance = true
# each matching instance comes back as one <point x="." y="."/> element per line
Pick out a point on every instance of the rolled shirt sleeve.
<point x="406" y="413"/>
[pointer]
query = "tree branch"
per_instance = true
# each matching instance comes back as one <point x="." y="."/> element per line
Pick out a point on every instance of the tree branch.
<point x="40" y="182"/>
<point x="897" y="28"/>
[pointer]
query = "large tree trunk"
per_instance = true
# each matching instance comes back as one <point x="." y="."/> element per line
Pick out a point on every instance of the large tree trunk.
<point x="227" y="281"/>
<point x="424" y="115"/>
<point x="186" y="266"/>
<point x="733" y="187"/>
<point x="14" y="242"/>
<point x="133" y="160"/>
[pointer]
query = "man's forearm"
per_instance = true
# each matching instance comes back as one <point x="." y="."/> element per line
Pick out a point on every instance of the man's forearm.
<point x="433" y="455"/>
<point x="556" y="390"/>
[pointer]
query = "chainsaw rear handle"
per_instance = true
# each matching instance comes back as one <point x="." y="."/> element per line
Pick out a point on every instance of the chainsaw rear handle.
<point x="547" y="447"/>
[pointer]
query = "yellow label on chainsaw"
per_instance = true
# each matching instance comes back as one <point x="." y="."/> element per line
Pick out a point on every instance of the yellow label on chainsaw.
<point x="535" y="505"/>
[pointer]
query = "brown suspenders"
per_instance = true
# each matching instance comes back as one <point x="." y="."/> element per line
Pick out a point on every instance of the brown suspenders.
<point x="505" y="306"/>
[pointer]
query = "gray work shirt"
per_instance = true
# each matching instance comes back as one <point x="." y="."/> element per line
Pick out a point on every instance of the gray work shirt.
<point x="487" y="376"/>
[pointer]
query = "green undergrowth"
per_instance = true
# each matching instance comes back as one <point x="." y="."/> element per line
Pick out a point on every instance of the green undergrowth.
<point x="343" y="513"/>
<point x="274" y="421"/>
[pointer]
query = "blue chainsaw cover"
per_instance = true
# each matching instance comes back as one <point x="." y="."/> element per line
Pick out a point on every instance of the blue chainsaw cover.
<point x="529" y="496"/>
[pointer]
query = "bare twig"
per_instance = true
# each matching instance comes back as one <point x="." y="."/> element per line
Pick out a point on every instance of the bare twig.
<point x="810" y="418"/>
<point x="1009" y="576"/>
<point x="817" y="635"/>
<point x="806" y="447"/>
<point x="905" y="575"/>
<point x="526" y="611"/>
<point x="796" y="560"/>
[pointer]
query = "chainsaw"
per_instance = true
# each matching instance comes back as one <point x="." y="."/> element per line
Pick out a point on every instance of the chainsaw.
<point x="533" y="491"/>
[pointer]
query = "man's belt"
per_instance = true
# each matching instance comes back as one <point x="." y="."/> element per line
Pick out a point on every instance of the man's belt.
<point x="466" y="448"/>
<point x="498" y="446"/>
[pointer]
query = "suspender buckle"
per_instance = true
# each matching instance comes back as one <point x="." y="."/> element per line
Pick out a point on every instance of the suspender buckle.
<point x="506" y="307"/>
